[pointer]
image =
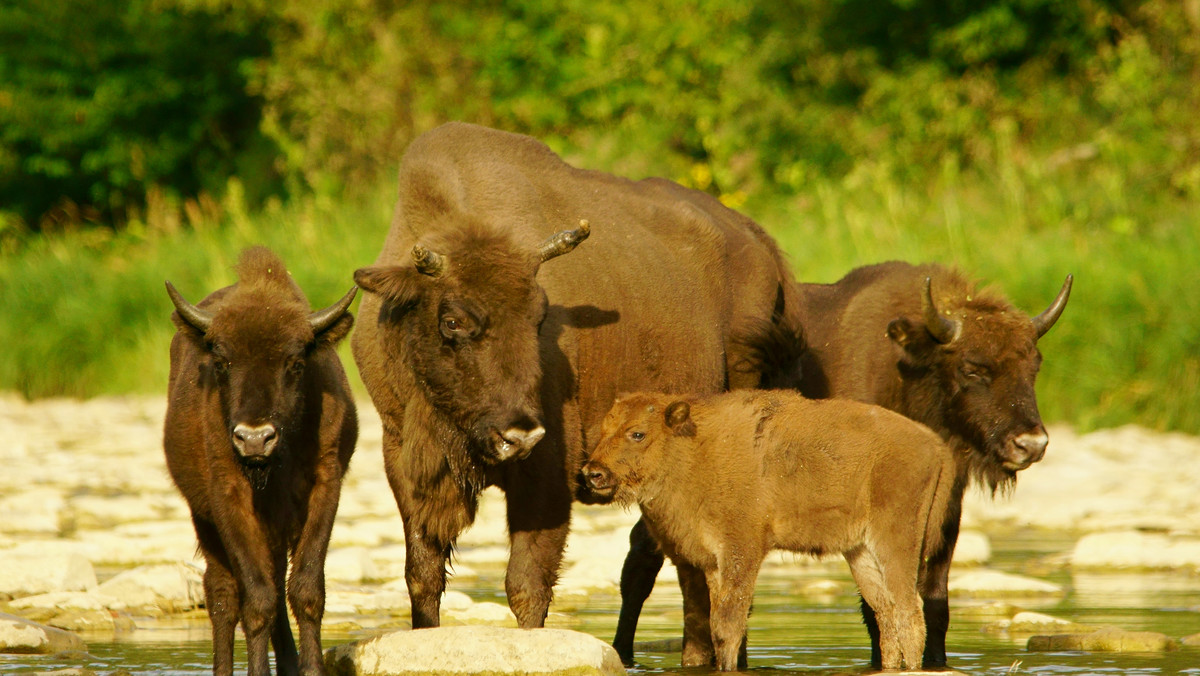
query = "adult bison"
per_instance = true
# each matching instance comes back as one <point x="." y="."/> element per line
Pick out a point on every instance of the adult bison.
<point x="260" y="426"/>
<point x="926" y="342"/>
<point x="492" y="364"/>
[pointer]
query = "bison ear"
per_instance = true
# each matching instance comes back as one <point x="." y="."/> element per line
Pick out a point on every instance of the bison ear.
<point x="398" y="284"/>
<point x="336" y="332"/>
<point x="901" y="331"/>
<point x="678" y="417"/>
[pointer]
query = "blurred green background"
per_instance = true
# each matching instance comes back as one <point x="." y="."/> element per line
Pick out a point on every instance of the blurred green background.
<point x="1018" y="139"/>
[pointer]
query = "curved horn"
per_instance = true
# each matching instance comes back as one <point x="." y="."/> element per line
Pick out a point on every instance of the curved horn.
<point x="428" y="262"/>
<point x="943" y="330"/>
<point x="564" y="241"/>
<point x="323" y="319"/>
<point x="201" y="319"/>
<point x="1044" y="321"/>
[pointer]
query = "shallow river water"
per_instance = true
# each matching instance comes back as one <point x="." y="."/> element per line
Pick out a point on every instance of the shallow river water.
<point x="791" y="629"/>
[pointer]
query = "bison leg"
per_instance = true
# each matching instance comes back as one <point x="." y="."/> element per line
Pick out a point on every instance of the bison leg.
<point x="642" y="564"/>
<point x="731" y="591"/>
<point x="221" y="597"/>
<point x="869" y="576"/>
<point x="287" y="662"/>
<point x="934" y="588"/>
<point x="306" y="588"/>
<point x="697" y="631"/>
<point x="538" y="522"/>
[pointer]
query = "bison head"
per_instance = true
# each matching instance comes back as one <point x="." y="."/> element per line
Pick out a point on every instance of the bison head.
<point x="256" y="337"/>
<point x="973" y="360"/>
<point x="632" y="443"/>
<point x="467" y="308"/>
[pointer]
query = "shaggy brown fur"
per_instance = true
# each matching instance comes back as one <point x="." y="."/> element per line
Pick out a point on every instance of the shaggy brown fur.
<point x="492" y="365"/>
<point x="788" y="473"/>
<point x="260" y="427"/>
<point x="867" y="339"/>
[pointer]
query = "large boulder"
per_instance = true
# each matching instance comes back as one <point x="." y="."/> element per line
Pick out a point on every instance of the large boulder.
<point x="452" y="651"/>
<point x="18" y="635"/>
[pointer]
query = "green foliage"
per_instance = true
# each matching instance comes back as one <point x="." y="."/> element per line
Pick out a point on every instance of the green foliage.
<point x="1018" y="139"/>
<point x="101" y="100"/>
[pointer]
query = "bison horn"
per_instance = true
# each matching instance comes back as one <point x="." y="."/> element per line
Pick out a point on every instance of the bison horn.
<point x="943" y="330"/>
<point x="428" y="262"/>
<point x="564" y="241"/>
<point x="323" y="319"/>
<point x="1044" y="321"/>
<point x="200" y="319"/>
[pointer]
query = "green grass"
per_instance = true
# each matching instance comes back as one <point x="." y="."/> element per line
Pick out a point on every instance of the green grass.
<point x="85" y="312"/>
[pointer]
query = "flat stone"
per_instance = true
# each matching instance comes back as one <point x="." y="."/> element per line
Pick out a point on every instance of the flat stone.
<point x="1030" y="622"/>
<point x="18" y="635"/>
<point x="987" y="583"/>
<point x="1104" y="640"/>
<point x="34" y="511"/>
<point x="1192" y="640"/>
<point x="108" y="622"/>
<point x="168" y="588"/>
<point x="475" y="650"/>
<point x="24" y="574"/>
<point x="1136" y="550"/>
<point x="72" y="600"/>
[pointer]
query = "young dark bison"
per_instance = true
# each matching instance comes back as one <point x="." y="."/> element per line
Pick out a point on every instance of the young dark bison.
<point x="929" y="343"/>
<point x="259" y="430"/>
<point x="723" y="480"/>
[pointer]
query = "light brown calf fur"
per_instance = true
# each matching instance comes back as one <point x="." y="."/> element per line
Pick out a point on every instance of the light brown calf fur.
<point x="722" y="480"/>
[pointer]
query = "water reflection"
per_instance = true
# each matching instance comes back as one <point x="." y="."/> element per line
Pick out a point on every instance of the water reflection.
<point x="805" y="621"/>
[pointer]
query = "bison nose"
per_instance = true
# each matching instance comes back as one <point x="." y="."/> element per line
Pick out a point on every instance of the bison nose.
<point x="597" y="476"/>
<point x="254" y="441"/>
<point x="1033" y="445"/>
<point x="518" y="438"/>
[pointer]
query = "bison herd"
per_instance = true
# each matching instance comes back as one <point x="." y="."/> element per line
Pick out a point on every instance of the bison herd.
<point x="515" y="303"/>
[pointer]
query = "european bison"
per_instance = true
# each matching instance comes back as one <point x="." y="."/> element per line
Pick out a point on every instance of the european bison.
<point x="260" y="426"/>
<point x="491" y="364"/>
<point x="724" y="479"/>
<point x="926" y="342"/>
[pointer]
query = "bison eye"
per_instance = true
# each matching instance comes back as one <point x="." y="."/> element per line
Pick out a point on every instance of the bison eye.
<point x="295" y="366"/>
<point x="637" y="436"/>
<point x="976" y="373"/>
<point x="221" y="366"/>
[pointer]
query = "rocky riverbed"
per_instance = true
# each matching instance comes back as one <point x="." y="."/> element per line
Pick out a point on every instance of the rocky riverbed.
<point x="95" y="541"/>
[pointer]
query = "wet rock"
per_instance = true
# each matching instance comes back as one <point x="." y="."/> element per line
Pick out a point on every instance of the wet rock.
<point x="366" y="601"/>
<point x="1134" y="549"/>
<point x="18" y="635"/>
<point x="108" y="622"/>
<point x="24" y="573"/>
<point x="1104" y="640"/>
<point x="350" y="564"/>
<point x="55" y="601"/>
<point x="1193" y="640"/>
<point x="1029" y="622"/>
<point x="475" y="650"/>
<point x="987" y="583"/>
<point x="165" y="588"/>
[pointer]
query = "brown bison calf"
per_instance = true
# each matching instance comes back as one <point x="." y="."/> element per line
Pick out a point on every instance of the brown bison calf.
<point x="723" y="480"/>
<point x="259" y="430"/>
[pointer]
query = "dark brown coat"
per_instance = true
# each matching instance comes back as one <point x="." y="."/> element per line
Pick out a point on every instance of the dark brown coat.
<point x="491" y="364"/>
<point x="944" y="352"/>
<point x="722" y="480"/>
<point x="260" y="427"/>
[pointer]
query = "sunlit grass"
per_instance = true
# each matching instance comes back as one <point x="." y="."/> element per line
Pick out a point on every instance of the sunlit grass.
<point x="85" y="313"/>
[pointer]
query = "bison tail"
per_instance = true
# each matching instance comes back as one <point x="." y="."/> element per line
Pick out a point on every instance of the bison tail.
<point x="775" y="351"/>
